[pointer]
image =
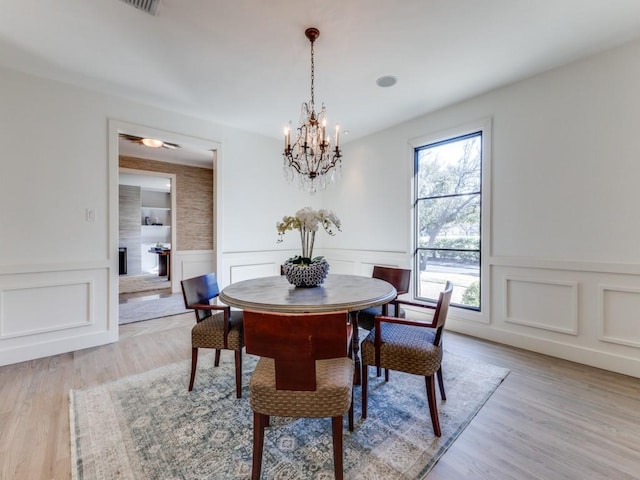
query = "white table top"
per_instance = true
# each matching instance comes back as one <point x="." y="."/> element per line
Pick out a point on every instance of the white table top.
<point x="338" y="292"/>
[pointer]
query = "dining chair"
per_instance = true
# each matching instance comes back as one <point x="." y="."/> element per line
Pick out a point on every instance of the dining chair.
<point x="217" y="326"/>
<point x="400" y="279"/>
<point x="410" y="346"/>
<point x="304" y="372"/>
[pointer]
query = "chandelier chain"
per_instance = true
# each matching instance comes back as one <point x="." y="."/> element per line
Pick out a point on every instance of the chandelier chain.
<point x="312" y="77"/>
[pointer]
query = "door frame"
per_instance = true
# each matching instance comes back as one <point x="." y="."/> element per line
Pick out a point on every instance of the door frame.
<point x="115" y="127"/>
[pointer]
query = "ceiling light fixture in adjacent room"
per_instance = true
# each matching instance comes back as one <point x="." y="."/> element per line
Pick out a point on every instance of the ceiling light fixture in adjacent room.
<point x="152" y="142"/>
<point x="149" y="142"/>
<point x="311" y="157"/>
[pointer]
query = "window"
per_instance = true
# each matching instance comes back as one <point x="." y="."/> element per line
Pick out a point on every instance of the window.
<point x="447" y="209"/>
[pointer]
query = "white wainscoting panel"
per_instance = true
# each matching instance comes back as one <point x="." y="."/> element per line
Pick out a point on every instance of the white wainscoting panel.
<point x="27" y="310"/>
<point x="361" y="262"/>
<point x="189" y="264"/>
<point x="617" y="324"/>
<point x="342" y="267"/>
<point x="367" y="267"/>
<point x="256" y="270"/>
<point x="49" y="312"/>
<point x="544" y="304"/>
<point x="238" y="266"/>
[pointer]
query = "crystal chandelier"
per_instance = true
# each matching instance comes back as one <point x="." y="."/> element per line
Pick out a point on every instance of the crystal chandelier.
<point x="311" y="158"/>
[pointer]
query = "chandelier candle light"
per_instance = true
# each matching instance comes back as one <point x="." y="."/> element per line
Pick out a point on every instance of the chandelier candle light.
<point x="311" y="157"/>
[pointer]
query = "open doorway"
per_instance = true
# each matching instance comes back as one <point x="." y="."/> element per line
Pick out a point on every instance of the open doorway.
<point x="160" y="261"/>
<point x="146" y="231"/>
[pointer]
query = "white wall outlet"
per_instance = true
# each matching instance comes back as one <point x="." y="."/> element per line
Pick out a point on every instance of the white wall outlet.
<point x="90" y="214"/>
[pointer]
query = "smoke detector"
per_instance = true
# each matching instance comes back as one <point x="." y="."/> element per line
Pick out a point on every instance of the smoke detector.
<point x="386" y="81"/>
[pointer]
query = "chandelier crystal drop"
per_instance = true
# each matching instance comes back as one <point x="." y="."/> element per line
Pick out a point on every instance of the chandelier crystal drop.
<point x="311" y="157"/>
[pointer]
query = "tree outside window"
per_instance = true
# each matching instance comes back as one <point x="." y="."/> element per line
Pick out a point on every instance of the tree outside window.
<point x="448" y="195"/>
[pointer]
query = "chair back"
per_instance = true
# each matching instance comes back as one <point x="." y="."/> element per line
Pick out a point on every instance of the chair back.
<point x="398" y="277"/>
<point x="295" y="342"/>
<point x="442" y="308"/>
<point x="200" y="290"/>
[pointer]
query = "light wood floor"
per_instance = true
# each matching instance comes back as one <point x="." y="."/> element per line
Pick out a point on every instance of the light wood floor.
<point x="550" y="419"/>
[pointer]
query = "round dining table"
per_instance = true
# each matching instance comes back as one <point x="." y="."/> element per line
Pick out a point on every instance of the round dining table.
<point x="337" y="292"/>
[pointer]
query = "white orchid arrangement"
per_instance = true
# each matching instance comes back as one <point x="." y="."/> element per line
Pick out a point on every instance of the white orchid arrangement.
<point x="308" y="221"/>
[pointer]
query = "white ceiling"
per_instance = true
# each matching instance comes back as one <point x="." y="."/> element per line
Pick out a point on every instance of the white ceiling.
<point x="245" y="63"/>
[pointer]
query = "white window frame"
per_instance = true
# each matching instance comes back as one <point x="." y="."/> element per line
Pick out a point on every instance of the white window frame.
<point x="484" y="126"/>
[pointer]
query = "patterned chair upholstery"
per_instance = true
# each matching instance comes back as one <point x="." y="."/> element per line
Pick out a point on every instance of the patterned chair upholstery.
<point x="216" y="326"/>
<point x="410" y="346"/>
<point x="304" y="371"/>
<point x="400" y="279"/>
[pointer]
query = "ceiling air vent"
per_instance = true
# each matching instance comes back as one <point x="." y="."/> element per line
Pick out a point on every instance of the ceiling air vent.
<point x="149" y="6"/>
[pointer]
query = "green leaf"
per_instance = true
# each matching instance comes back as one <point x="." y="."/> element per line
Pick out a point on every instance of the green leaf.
<point x="298" y="260"/>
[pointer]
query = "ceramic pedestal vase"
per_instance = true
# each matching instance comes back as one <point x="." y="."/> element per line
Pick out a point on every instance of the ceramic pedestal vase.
<point x="310" y="275"/>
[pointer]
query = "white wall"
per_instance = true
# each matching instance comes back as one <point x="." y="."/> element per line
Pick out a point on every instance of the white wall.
<point x="564" y="262"/>
<point x="254" y="196"/>
<point x="58" y="271"/>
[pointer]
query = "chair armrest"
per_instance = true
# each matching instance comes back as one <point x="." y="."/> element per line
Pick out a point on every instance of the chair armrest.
<point x="208" y="306"/>
<point x="403" y="321"/>
<point x="411" y="303"/>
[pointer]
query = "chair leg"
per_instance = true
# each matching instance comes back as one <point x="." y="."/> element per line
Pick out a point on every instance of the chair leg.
<point x="386" y="374"/>
<point x="364" y="382"/>
<point x="378" y="371"/>
<point x="441" y="384"/>
<point x="259" y="421"/>
<point x="336" y="426"/>
<point x="194" y="362"/>
<point x="433" y="406"/>
<point x="355" y="352"/>
<point x="238" y="355"/>
<point x="217" y="360"/>
<point x="351" y="412"/>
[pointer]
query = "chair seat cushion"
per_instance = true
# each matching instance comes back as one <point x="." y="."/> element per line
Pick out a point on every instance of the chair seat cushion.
<point x="332" y="397"/>
<point x="366" y="317"/>
<point x="404" y="348"/>
<point x="209" y="333"/>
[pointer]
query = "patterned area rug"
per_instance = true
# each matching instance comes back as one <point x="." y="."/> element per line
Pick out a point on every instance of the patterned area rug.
<point x="149" y="426"/>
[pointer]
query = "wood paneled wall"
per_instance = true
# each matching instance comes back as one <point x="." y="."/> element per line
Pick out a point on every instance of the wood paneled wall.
<point x="194" y="200"/>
